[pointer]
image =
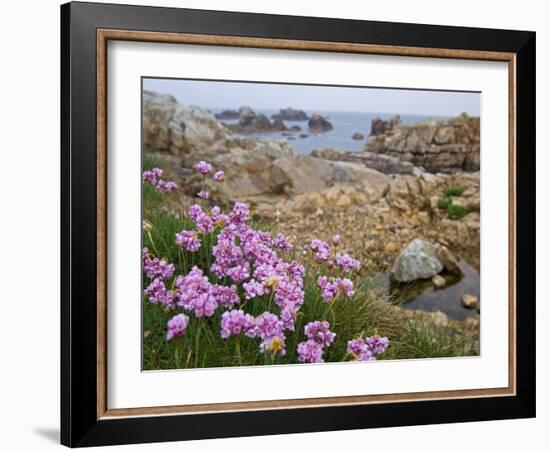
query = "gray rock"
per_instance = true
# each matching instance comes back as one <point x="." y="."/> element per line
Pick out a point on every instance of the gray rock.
<point x="318" y="124"/>
<point x="417" y="261"/>
<point x="290" y="114"/>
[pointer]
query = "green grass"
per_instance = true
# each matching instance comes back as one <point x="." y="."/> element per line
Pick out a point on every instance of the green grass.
<point x="454" y="211"/>
<point x="455" y="191"/>
<point x="423" y="339"/>
<point x="457" y="212"/>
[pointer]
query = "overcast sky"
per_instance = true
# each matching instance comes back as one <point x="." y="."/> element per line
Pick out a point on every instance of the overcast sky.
<point x="227" y="94"/>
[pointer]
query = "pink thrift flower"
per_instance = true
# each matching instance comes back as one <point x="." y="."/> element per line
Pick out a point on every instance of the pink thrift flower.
<point x="320" y="248"/>
<point x="165" y="186"/>
<point x="235" y="322"/>
<point x="177" y="326"/>
<point x="319" y="332"/>
<point x="281" y="242"/>
<point x="156" y="292"/>
<point x="266" y="325"/>
<point x="155" y="267"/>
<point x="367" y="349"/>
<point x="203" y="194"/>
<point x="239" y="213"/>
<point x="188" y="240"/>
<point x="333" y="288"/>
<point x="377" y="344"/>
<point x="203" y="167"/>
<point x="336" y="239"/>
<point x="152" y="176"/>
<point x="253" y="289"/>
<point x="195" y="212"/>
<point x="226" y="296"/>
<point x="219" y="175"/>
<point x="240" y="272"/>
<point x="310" y="352"/>
<point x="346" y="262"/>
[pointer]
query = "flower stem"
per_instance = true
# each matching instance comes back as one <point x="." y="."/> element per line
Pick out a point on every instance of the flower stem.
<point x="197" y="341"/>
<point x="238" y="349"/>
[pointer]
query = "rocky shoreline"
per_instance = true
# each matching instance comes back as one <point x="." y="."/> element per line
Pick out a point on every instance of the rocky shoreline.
<point x="379" y="200"/>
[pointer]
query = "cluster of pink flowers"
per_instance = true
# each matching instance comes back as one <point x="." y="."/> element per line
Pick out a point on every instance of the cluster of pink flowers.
<point x="319" y="337"/>
<point x="332" y="288"/>
<point x="235" y="322"/>
<point x="155" y="267"/>
<point x="248" y="258"/>
<point x="367" y="349"/>
<point x="203" y="167"/>
<point x="188" y="240"/>
<point x="153" y="177"/>
<point x="247" y="265"/>
<point x="195" y="293"/>
<point x="346" y="262"/>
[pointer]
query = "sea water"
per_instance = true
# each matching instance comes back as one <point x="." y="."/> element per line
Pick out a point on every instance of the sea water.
<point x="344" y="124"/>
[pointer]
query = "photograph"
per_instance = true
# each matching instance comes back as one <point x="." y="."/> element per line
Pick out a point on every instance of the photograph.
<point x="307" y="224"/>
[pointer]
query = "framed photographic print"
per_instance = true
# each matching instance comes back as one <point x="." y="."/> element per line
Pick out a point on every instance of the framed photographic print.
<point x="277" y="224"/>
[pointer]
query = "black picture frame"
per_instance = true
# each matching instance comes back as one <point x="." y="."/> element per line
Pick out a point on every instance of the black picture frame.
<point x="80" y="425"/>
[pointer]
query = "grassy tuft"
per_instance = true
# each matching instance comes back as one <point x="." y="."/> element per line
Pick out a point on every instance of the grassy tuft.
<point x="454" y="191"/>
<point x="443" y="203"/>
<point x="456" y="212"/>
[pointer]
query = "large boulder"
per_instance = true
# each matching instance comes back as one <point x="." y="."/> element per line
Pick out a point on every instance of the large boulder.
<point x="169" y="126"/>
<point x="318" y="124"/>
<point x="418" y="261"/>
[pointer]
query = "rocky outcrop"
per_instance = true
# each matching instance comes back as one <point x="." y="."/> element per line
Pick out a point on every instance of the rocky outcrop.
<point x="382" y="163"/>
<point x="228" y="114"/>
<point x="434" y="145"/>
<point x="318" y="124"/>
<point x="417" y="261"/>
<point x="174" y="128"/>
<point x="357" y="136"/>
<point x="252" y="122"/>
<point x="290" y="114"/>
<point x="379" y="126"/>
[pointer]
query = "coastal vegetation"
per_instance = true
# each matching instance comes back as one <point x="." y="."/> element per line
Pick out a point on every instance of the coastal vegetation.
<point x="407" y="210"/>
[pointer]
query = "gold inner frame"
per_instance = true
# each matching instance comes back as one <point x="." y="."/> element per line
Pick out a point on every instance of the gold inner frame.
<point x="103" y="36"/>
